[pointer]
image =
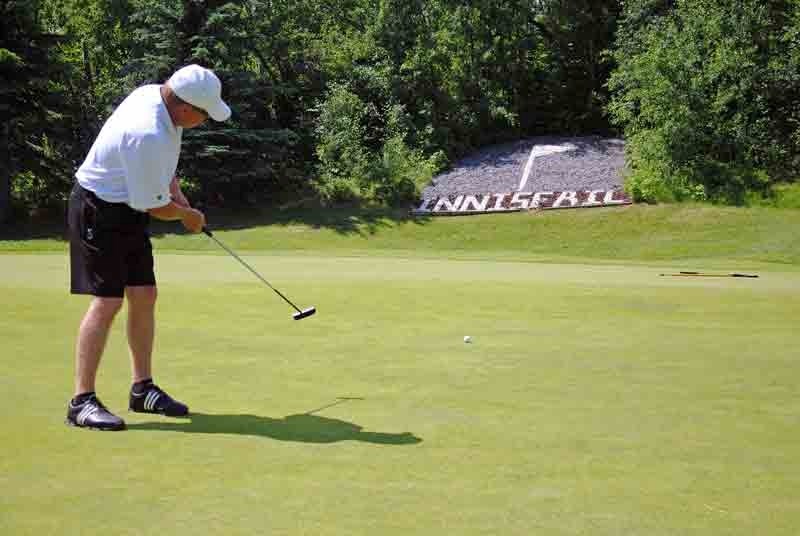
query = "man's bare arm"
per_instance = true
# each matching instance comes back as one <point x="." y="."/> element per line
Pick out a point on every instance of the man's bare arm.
<point x="192" y="219"/>
<point x="176" y="192"/>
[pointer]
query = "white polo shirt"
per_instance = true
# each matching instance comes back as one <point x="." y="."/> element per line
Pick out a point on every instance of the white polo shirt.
<point x="136" y="153"/>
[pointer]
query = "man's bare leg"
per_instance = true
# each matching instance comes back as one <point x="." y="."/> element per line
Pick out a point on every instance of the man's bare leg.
<point x="146" y="397"/>
<point x="92" y="336"/>
<point x="141" y="329"/>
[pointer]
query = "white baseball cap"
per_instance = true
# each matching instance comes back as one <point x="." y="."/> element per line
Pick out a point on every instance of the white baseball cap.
<point x="201" y="88"/>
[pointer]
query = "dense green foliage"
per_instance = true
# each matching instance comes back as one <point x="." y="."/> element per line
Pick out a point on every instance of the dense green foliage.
<point x="35" y="140"/>
<point x="349" y="100"/>
<point x="708" y="94"/>
<point x="357" y="100"/>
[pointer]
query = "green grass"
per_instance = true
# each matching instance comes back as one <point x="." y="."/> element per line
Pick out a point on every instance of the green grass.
<point x="596" y="398"/>
<point x="652" y="234"/>
<point x="785" y="195"/>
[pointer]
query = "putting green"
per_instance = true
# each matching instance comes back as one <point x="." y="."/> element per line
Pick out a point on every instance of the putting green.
<point x="594" y="399"/>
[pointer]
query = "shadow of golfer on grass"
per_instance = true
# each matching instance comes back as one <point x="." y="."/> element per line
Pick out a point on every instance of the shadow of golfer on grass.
<point x="304" y="428"/>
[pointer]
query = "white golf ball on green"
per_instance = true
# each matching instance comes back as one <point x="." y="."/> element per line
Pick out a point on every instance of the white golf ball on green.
<point x="467" y="339"/>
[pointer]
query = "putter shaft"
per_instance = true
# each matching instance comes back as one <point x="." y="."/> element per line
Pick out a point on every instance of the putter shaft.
<point x="300" y="313"/>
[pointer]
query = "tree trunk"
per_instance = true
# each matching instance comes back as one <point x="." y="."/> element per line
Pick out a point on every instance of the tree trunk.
<point x="5" y="198"/>
<point x="5" y="174"/>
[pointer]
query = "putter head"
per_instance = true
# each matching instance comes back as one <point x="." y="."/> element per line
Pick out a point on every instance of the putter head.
<point x="304" y="313"/>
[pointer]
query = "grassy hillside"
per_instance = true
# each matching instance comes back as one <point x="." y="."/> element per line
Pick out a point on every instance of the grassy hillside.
<point x="687" y="234"/>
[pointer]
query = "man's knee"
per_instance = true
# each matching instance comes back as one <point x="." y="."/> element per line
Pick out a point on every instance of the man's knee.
<point x="141" y="296"/>
<point x="106" y="308"/>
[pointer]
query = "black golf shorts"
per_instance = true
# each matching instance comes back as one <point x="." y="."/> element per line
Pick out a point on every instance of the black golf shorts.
<point x="109" y="246"/>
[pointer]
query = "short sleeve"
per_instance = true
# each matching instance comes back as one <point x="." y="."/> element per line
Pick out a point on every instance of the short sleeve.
<point x="146" y="173"/>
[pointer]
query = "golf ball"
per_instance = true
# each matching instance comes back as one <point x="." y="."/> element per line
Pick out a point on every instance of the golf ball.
<point x="467" y="339"/>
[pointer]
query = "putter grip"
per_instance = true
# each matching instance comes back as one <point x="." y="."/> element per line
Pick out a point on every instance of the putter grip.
<point x="206" y="231"/>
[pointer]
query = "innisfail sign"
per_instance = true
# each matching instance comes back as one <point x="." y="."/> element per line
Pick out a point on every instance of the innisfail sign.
<point x="517" y="201"/>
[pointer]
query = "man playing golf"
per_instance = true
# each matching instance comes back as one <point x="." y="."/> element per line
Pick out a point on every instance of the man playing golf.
<point x="128" y="176"/>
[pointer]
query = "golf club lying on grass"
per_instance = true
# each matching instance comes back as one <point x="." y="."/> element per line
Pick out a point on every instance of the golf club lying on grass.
<point x="299" y="315"/>
<point x="701" y="274"/>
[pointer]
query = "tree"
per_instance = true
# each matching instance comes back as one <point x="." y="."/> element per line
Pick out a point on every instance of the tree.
<point x="256" y="153"/>
<point x="707" y="95"/>
<point x="36" y="162"/>
<point x="579" y="37"/>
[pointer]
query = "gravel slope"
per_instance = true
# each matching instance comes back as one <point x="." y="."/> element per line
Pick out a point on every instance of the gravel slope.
<point x="559" y="164"/>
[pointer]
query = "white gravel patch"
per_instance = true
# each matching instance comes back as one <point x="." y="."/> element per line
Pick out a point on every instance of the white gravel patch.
<point x="536" y="165"/>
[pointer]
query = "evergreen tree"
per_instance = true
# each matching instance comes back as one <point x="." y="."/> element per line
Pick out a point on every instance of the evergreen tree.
<point x="35" y="148"/>
<point x="256" y="154"/>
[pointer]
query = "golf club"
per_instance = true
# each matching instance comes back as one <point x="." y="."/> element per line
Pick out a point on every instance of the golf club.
<point x="299" y="315"/>
<point x="701" y="274"/>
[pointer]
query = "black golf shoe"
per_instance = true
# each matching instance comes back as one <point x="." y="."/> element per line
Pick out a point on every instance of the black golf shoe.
<point x="154" y="400"/>
<point x="91" y="413"/>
